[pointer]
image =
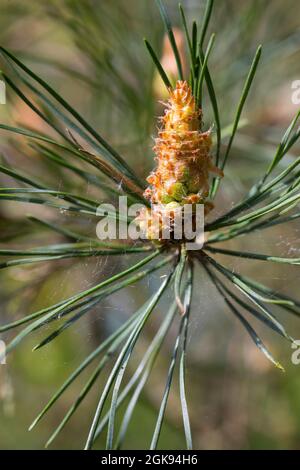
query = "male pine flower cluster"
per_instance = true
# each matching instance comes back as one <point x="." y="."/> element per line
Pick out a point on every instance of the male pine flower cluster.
<point x="184" y="163"/>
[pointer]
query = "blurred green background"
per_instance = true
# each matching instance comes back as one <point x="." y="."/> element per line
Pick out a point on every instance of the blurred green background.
<point x="92" y="52"/>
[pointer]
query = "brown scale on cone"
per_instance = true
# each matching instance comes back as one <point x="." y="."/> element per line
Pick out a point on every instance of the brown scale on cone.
<point x="183" y="158"/>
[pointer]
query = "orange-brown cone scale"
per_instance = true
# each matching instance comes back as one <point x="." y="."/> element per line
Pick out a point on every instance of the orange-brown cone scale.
<point x="183" y="159"/>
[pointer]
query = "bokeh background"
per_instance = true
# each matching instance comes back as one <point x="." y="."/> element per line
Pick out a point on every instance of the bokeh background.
<point x="92" y="52"/>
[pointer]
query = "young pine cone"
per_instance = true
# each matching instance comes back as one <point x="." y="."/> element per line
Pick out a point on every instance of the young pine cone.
<point x="183" y="155"/>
